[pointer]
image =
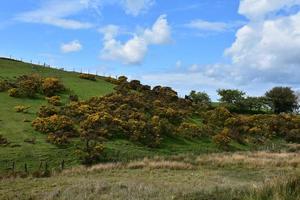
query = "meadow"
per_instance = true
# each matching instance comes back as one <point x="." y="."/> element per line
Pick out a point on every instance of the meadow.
<point x="203" y="156"/>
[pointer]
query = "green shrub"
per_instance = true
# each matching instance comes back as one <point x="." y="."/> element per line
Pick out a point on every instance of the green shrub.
<point x="91" y="152"/>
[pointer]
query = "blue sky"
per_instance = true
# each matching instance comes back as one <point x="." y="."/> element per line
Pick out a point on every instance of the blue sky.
<point x="192" y="44"/>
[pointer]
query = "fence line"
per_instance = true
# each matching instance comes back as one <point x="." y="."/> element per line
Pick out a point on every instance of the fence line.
<point x="66" y="69"/>
<point x="23" y="167"/>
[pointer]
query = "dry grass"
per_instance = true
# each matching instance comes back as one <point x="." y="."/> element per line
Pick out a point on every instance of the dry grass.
<point x="143" y="164"/>
<point x="242" y="159"/>
<point x="251" y="159"/>
<point x="279" y="188"/>
<point x="179" y="177"/>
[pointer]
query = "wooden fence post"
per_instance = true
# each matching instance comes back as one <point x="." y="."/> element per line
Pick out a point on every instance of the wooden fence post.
<point x="25" y="168"/>
<point x="13" y="166"/>
<point x="63" y="165"/>
<point x="41" y="165"/>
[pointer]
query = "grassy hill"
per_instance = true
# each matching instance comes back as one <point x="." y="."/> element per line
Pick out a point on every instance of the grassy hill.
<point x="16" y="127"/>
<point x="13" y="127"/>
<point x="179" y="168"/>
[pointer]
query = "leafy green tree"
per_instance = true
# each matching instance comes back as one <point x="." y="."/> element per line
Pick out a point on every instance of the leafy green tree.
<point x="256" y="104"/>
<point x="283" y="99"/>
<point x="231" y="96"/>
<point x="199" y="98"/>
<point x="234" y="100"/>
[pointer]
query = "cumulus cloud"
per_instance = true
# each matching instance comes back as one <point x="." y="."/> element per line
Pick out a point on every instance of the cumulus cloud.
<point x="268" y="48"/>
<point x="257" y="9"/>
<point x="134" y="50"/>
<point x="135" y="7"/>
<point x="57" y="13"/>
<point x="72" y="46"/>
<point x="265" y="53"/>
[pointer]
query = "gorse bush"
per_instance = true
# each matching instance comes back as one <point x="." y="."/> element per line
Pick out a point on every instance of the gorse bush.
<point x="58" y="128"/>
<point x="191" y="130"/>
<point x="52" y="86"/>
<point x="88" y="77"/>
<point x="32" y="85"/>
<point x="4" y="85"/>
<point x="222" y="139"/>
<point x="143" y="117"/>
<point x="29" y="86"/>
<point x="22" y="109"/>
<point x="54" y="100"/>
<point x="253" y="128"/>
<point x="47" y="111"/>
<point x="14" y="92"/>
<point x="91" y="152"/>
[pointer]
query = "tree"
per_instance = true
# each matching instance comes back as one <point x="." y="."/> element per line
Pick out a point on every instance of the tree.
<point x="231" y="96"/>
<point x="257" y="104"/>
<point x="283" y="99"/>
<point x="93" y="130"/>
<point x="234" y="100"/>
<point x="199" y="98"/>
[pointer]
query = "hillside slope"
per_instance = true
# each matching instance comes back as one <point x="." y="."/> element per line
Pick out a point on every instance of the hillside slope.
<point x="16" y="127"/>
<point x="13" y="127"/>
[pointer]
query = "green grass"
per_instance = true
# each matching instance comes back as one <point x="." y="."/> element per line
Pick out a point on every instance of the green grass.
<point x="13" y="127"/>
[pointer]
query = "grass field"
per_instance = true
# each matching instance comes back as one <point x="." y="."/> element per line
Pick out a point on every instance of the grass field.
<point x="190" y="178"/>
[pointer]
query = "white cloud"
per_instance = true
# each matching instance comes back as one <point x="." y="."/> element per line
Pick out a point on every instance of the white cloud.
<point x="134" y="50"/>
<point x="60" y="12"/>
<point x="268" y="49"/>
<point x="57" y="13"/>
<point x="73" y="46"/>
<point x="257" y="9"/>
<point x="266" y="53"/>
<point x="193" y="68"/>
<point x="207" y="26"/>
<point x="136" y="7"/>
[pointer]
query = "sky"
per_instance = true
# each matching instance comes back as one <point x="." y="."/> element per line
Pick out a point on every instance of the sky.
<point x="202" y="45"/>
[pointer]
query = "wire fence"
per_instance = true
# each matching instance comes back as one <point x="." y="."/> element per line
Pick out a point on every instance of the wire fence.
<point x="40" y="169"/>
<point x="84" y="70"/>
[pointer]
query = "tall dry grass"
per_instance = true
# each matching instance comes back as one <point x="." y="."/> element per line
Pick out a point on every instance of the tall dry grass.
<point x="260" y="159"/>
<point x="251" y="159"/>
